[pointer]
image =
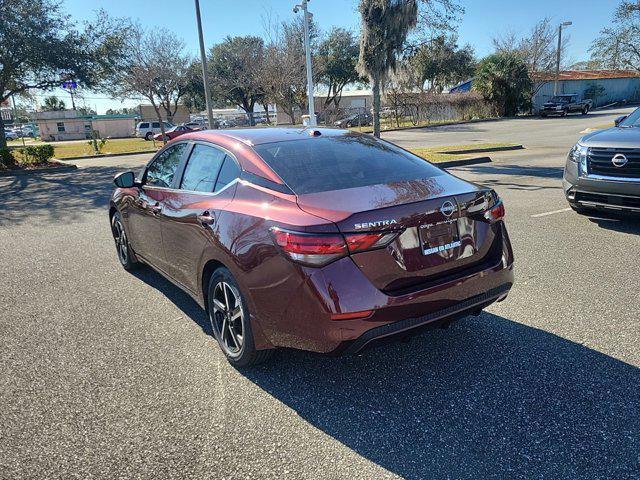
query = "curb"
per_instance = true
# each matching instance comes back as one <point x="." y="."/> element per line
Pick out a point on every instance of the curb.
<point x="446" y="124"/>
<point x="462" y="163"/>
<point x="484" y="150"/>
<point x="61" y="168"/>
<point x="103" y="155"/>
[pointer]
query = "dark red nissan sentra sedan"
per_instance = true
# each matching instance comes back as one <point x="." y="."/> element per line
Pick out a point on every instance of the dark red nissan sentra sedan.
<point x="317" y="239"/>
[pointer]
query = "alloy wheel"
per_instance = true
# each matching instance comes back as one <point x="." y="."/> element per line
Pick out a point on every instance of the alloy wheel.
<point x="120" y="238"/>
<point x="226" y="318"/>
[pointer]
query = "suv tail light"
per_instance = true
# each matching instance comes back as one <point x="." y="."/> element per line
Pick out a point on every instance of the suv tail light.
<point x="317" y="249"/>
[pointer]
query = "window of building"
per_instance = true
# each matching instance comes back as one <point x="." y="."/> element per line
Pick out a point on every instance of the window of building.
<point x="60" y="126"/>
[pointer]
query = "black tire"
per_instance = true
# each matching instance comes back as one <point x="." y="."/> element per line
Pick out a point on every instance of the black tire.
<point x="565" y="113"/>
<point x="148" y="136"/>
<point x="240" y="348"/>
<point x="585" y="110"/>
<point x="125" y="254"/>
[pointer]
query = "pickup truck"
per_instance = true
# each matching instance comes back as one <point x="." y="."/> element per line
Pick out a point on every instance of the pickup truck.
<point x="565" y="104"/>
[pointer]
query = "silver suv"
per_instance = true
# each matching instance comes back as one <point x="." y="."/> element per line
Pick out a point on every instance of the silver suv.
<point x="147" y="130"/>
<point x="603" y="168"/>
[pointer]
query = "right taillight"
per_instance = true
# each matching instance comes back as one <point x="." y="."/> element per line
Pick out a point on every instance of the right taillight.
<point x="495" y="213"/>
<point x="317" y="249"/>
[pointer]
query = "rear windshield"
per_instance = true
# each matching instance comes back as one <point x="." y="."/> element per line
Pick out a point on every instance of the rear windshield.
<point x="336" y="163"/>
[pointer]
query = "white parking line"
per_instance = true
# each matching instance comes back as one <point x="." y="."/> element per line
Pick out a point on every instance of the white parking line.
<point x="537" y="215"/>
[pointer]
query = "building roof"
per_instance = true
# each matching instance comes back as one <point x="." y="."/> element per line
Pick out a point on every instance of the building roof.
<point x="585" y="75"/>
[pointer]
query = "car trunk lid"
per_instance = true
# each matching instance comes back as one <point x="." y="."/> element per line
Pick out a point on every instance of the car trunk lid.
<point x="437" y="221"/>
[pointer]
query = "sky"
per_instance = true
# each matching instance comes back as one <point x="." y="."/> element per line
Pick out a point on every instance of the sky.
<point x="482" y="20"/>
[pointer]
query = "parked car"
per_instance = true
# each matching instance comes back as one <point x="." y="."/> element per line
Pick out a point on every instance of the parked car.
<point x="197" y="125"/>
<point x="24" y="131"/>
<point x="602" y="170"/>
<point x="356" y="120"/>
<point x="10" y="134"/>
<point x="147" y="130"/>
<point x="316" y="239"/>
<point x="565" y="104"/>
<point x="174" y="132"/>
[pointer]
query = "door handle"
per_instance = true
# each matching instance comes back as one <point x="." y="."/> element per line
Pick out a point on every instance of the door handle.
<point x="206" y="218"/>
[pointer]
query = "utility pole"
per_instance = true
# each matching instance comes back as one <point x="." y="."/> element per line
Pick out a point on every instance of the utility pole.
<point x="203" y="60"/>
<point x="555" y="83"/>
<point x="307" y="47"/>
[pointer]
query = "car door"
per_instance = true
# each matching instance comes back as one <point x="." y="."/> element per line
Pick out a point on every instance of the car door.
<point x="145" y="210"/>
<point x="191" y="213"/>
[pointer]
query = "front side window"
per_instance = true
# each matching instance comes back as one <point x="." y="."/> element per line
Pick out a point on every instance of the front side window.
<point x="160" y="173"/>
<point x="338" y="162"/>
<point x="143" y="125"/>
<point x="633" y="120"/>
<point x="202" y="169"/>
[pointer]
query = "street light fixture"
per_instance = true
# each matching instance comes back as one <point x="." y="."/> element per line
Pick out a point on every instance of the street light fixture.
<point x="555" y="83"/>
<point x="307" y="48"/>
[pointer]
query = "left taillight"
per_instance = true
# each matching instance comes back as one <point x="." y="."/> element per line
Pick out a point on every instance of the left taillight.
<point x="318" y="249"/>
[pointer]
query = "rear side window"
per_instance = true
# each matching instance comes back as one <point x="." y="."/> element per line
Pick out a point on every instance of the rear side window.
<point x="160" y="173"/>
<point x="155" y="125"/>
<point x="229" y="172"/>
<point x="347" y="161"/>
<point x="202" y="169"/>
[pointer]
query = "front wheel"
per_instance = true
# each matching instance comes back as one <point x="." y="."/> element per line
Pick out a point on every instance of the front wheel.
<point x="585" y="110"/>
<point x="229" y="317"/>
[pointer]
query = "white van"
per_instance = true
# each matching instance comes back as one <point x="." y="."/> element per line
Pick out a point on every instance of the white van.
<point x="147" y="130"/>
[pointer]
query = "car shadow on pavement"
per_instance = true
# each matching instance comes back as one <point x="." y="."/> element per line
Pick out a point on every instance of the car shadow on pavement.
<point x="487" y="398"/>
<point x="618" y="222"/>
<point x="180" y="299"/>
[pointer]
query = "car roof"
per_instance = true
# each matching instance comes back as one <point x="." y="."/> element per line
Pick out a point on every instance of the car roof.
<point x="256" y="136"/>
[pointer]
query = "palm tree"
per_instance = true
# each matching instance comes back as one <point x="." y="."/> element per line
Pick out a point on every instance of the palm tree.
<point x="385" y="26"/>
<point x="53" y="103"/>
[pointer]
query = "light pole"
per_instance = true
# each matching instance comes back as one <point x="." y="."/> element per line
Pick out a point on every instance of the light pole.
<point x="555" y="83"/>
<point x="205" y="73"/>
<point x="307" y="49"/>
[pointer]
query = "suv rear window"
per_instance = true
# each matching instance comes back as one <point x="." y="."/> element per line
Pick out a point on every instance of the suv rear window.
<point x="347" y="161"/>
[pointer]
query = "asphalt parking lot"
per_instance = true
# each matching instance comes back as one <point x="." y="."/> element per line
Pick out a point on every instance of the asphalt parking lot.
<point x="109" y="374"/>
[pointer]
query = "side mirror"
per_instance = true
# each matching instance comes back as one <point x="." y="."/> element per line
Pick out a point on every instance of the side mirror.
<point x="619" y="120"/>
<point x="125" y="180"/>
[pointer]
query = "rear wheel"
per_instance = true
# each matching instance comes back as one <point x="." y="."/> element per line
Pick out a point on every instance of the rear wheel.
<point x="565" y="112"/>
<point x="585" y="110"/>
<point x="229" y="317"/>
<point x="148" y="136"/>
<point x="125" y="254"/>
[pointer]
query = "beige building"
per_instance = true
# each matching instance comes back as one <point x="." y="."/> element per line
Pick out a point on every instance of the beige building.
<point x="69" y="125"/>
<point x="148" y="113"/>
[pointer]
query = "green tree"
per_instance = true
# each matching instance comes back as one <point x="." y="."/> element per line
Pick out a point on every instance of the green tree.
<point x="618" y="46"/>
<point x="503" y="80"/>
<point x="337" y="60"/>
<point x="155" y="68"/>
<point x="235" y="68"/>
<point x="40" y="47"/>
<point x="385" y="25"/>
<point x="441" y="63"/>
<point x="53" y="103"/>
<point x="594" y="91"/>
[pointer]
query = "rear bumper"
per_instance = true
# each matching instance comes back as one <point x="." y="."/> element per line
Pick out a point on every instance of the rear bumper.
<point x="341" y="287"/>
<point x="600" y="192"/>
<point x="411" y="325"/>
